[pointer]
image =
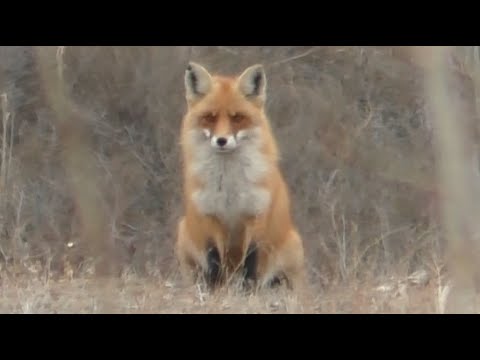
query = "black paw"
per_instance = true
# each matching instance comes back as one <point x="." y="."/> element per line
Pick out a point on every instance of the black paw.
<point x="214" y="266"/>
<point x="275" y="282"/>
<point x="250" y="266"/>
<point x="278" y="280"/>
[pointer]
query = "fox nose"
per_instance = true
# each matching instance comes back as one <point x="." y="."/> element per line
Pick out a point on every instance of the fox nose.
<point x="221" y="141"/>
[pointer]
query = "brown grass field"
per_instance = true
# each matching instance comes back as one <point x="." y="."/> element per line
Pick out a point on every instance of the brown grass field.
<point x="133" y="295"/>
<point x="379" y="145"/>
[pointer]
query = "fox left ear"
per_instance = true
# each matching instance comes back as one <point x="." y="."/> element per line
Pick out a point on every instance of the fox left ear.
<point x="253" y="82"/>
<point x="198" y="81"/>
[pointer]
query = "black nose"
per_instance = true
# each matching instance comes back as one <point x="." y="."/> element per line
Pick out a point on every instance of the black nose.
<point x="221" y="141"/>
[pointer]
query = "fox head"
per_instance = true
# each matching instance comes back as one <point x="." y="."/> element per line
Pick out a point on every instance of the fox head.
<point x="225" y="112"/>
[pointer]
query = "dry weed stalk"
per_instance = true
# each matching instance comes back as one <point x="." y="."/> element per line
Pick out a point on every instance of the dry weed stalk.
<point x="459" y="194"/>
<point x="6" y="117"/>
<point x="78" y="161"/>
<point x="6" y="159"/>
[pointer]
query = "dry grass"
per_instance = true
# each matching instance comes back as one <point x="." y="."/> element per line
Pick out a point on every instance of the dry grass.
<point x="131" y="294"/>
<point x="89" y="175"/>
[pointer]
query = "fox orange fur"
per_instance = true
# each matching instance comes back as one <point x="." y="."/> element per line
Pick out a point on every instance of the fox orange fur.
<point x="237" y="206"/>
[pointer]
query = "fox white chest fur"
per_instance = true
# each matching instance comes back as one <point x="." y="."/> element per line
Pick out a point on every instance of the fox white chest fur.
<point x="229" y="189"/>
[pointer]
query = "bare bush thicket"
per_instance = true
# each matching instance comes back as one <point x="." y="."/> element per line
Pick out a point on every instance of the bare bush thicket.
<point x="351" y="122"/>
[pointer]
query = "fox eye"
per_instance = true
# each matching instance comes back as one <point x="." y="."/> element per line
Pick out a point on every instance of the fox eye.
<point x="238" y="117"/>
<point x="209" y="118"/>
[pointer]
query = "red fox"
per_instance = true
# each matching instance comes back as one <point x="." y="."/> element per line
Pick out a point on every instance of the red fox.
<point x="237" y="207"/>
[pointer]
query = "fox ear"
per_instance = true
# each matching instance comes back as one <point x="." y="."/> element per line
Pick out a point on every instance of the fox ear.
<point x="198" y="81"/>
<point x="253" y="82"/>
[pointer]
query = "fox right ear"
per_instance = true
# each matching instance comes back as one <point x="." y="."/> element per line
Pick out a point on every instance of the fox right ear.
<point x="198" y="81"/>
